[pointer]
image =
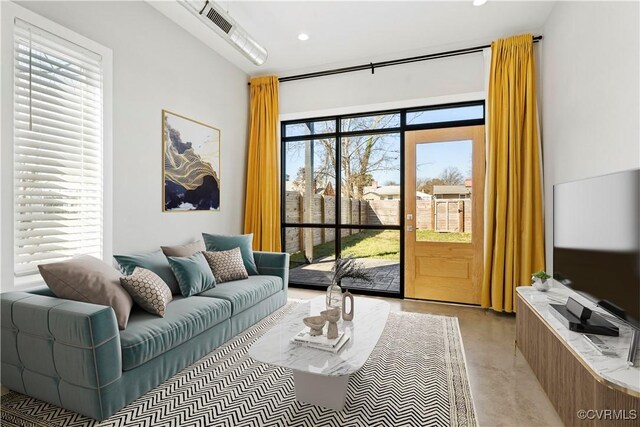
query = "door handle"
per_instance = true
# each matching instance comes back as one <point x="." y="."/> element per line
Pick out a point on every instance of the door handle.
<point x="409" y="227"/>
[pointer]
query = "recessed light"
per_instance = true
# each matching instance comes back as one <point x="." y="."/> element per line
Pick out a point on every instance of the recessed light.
<point x="479" y="2"/>
<point x="304" y="37"/>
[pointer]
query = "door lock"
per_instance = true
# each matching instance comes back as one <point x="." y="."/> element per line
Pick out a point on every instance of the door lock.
<point x="409" y="227"/>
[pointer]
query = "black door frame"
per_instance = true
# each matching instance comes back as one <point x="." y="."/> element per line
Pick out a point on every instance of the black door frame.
<point x="338" y="135"/>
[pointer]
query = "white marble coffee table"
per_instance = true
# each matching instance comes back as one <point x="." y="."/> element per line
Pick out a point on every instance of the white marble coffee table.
<point x="321" y="377"/>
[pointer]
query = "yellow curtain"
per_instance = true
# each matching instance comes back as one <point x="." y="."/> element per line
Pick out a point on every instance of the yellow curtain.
<point x="514" y="245"/>
<point x="262" y="206"/>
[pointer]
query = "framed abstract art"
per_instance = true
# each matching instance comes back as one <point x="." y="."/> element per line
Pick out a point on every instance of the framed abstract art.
<point x="191" y="165"/>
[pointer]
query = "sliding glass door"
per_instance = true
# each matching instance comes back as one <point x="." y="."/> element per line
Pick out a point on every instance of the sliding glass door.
<point x="343" y="193"/>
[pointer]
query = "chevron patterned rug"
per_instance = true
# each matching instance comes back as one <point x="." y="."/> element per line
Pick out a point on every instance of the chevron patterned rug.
<point x="416" y="376"/>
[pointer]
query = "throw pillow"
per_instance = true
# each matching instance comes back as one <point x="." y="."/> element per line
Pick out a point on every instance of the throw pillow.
<point x="184" y="250"/>
<point x="154" y="261"/>
<point x="193" y="273"/>
<point x="148" y="290"/>
<point x="215" y="242"/>
<point x="88" y="279"/>
<point x="226" y="265"/>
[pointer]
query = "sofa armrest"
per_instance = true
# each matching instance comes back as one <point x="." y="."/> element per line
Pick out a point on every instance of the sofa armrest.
<point x="273" y="264"/>
<point x="50" y="345"/>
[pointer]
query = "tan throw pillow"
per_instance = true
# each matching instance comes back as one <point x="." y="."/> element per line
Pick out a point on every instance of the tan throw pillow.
<point x="226" y="265"/>
<point x="88" y="279"/>
<point x="184" y="250"/>
<point x="148" y="290"/>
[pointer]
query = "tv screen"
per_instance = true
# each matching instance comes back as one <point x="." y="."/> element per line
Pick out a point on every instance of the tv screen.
<point x="596" y="247"/>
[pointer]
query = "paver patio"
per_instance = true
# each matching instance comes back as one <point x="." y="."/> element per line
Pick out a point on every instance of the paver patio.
<point x="386" y="275"/>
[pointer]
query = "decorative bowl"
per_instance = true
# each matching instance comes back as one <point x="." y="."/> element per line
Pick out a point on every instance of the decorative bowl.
<point x="541" y="285"/>
<point x="315" y="324"/>
<point x="332" y="315"/>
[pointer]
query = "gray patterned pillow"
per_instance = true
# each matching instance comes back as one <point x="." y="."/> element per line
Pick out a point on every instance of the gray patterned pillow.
<point x="148" y="290"/>
<point x="226" y="265"/>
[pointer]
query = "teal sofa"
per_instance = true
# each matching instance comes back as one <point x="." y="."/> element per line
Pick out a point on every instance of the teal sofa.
<point x="71" y="353"/>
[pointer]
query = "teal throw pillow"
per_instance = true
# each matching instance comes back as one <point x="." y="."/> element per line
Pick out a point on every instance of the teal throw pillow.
<point x="193" y="273"/>
<point x="216" y="242"/>
<point x="155" y="261"/>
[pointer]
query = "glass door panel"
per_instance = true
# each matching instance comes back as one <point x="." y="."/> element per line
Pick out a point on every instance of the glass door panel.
<point x="310" y="181"/>
<point x="444" y="184"/>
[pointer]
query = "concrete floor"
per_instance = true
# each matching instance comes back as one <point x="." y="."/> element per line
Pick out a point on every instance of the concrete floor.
<point x="505" y="390"/>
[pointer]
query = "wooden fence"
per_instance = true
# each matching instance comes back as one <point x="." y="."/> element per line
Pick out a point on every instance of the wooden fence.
<point x="321" y="210"/>
<point x="444" y="215"/>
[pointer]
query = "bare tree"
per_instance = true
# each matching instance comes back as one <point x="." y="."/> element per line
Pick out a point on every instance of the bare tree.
<point x="449" y="176"/>
<point x="299" y="182"/>
<point x="426" y="185"/>
<point x="362" y="155"/>
<point x="452" y="176"/>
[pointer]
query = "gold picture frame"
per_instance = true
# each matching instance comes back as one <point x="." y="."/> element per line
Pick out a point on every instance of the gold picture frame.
<point x="190" y="164"/>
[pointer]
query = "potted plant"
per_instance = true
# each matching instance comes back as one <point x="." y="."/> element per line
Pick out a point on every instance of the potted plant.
<point x="541" y="281"/>
<point x="344" y="268"/>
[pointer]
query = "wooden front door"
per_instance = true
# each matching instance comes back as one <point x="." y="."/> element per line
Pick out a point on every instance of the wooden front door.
<point x="444" y="200"/>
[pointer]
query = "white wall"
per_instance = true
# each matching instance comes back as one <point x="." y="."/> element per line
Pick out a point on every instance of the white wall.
<point x="156" y="65"/>
<point x="442" y="80"/>
<point x="591" y="94"/>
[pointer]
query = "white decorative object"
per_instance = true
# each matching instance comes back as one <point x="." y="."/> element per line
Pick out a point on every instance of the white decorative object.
<point x="541" y="285"/>
<point x="321" y="342"/>
<point x="320" y="377"/>
<point x="344" y="268"/>
<point x="332" y="316"/>
<point x="334" y="297"/>
<point x="541" y="281"/>
<point x="315" y="324"/>
<point x="347" y="296"/>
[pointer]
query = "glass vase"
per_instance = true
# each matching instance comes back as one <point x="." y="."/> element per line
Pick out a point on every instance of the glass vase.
<point x="334" y="297"/>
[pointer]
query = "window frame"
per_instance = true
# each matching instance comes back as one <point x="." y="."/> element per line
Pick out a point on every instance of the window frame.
<point x="11" y="12"/>
<point x="338" y="226"/>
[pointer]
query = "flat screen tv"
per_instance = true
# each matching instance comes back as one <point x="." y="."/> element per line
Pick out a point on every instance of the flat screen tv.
<point x="596" y="241"/>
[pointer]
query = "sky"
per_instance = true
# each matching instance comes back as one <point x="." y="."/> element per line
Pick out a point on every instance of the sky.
<point x="431" y="158"/>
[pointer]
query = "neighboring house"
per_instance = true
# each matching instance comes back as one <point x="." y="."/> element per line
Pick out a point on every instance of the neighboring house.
<point x="451" y="192"/>
<point x="389" y="192"/>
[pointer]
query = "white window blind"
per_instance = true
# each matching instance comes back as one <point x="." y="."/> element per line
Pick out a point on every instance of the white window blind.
<point x="58" y="149"/>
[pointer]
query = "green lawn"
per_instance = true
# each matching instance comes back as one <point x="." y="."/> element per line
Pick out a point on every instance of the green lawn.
<point x="434" y="236"/>
<point x="378" y="244"/>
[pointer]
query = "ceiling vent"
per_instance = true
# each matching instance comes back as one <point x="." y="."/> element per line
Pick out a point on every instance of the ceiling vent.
<point x="216" y="18"/>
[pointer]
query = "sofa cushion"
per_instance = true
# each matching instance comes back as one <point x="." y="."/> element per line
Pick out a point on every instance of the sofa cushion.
<point x="88" y="279"/>
<point x="155" y="261"/>
<point x="226" y="266"/>
<point x="184" y="250"/>
<point x="148" y="290"/>
<point x="217" y="242"/>
<point x="193" y="273"/>
<point x="243" y="294"/>
<point x="148" y="336"/>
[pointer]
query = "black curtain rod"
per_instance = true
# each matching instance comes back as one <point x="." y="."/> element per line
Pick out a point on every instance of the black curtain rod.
<point x="373" y="65"/>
